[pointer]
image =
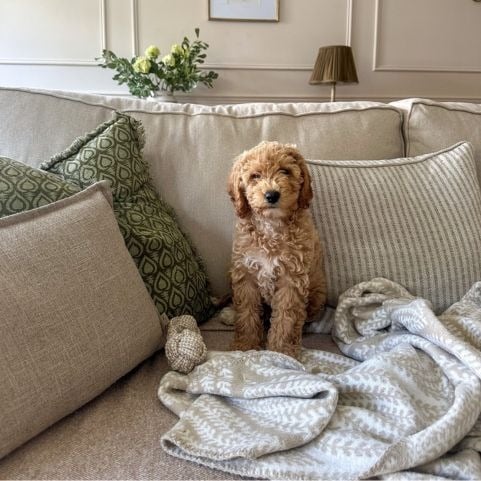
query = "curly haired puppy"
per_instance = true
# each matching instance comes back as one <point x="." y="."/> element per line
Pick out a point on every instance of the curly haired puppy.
<point x="277" y="257"/>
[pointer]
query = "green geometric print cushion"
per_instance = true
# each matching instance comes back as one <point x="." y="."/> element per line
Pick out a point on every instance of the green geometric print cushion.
<point x="172" y="272"/>
<point x="24" y="188"/>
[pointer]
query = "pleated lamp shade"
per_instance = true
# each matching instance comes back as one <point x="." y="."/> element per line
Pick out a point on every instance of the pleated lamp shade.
<point x="334" y="64"/>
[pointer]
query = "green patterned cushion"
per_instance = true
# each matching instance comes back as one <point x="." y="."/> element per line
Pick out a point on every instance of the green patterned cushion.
<point x="24" y="188"/>
<point x="171" y="270"/>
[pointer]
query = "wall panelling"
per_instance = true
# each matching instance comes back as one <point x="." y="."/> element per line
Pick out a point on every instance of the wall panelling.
<point x="409" y="48"/>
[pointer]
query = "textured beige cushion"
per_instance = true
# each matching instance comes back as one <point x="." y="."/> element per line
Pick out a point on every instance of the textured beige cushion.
<point x="74" y="313"/>
<point x="190" y="148"/>
<point x="431" y="126"/>
<point x="416" y="221"/>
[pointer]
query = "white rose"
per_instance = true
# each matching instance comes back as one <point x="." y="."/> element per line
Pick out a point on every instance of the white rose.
<point x="169" y="60"/>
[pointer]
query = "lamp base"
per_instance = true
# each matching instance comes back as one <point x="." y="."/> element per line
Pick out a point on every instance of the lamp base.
<point x="333" y="92"/>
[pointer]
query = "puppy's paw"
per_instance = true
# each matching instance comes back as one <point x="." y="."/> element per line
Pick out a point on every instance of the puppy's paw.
<point x="292" y="350"/>
<point x="242" y="345"/>
<point x="227" y="316"/>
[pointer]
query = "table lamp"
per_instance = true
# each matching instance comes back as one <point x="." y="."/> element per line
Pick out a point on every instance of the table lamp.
<point x="334" y="64"/>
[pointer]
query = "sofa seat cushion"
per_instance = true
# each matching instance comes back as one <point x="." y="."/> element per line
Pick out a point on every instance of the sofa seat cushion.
<point x="415" y="221"/>
<point x="74" y="313"/>
<point x="171" y="270"/>
<point x="117" y="436"/>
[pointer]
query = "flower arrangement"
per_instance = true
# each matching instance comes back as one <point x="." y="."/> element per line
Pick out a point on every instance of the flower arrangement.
<point x="149" y="74"/>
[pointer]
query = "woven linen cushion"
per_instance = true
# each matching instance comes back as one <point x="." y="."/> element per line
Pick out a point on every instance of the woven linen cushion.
<point x="172" y="272"/>
<point x="74" y="313"/>
<point x="24" y="188"/>
<point x="415" y="221"/>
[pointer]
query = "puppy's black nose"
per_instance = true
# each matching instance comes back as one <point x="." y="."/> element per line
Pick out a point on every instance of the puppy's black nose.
<point x="272" y="196"/>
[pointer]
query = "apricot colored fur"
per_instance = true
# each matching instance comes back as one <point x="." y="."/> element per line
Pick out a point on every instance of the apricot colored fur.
<point x="277" y="257"/>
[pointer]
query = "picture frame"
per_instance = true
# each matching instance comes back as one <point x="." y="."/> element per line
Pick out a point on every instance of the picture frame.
<point x="244" y="10"/>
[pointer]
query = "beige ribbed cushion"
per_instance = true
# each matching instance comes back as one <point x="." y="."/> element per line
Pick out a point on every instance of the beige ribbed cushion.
<point x="74" y="313"/>
<point x="431" y="126"/>
<point x="416" y="221"/>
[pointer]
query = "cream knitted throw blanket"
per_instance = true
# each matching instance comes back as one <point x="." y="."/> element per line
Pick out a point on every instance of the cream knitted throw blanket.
<point x="402" y="403"/>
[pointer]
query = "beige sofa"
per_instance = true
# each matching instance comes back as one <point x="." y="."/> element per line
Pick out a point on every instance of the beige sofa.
<point x="190" y="149"/>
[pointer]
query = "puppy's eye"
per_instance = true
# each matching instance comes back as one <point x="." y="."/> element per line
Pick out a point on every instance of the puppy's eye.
<point x="285" y="171"/>
<point x="255" y="176"/>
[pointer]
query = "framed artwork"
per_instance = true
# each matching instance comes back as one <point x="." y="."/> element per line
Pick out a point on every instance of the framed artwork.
<point x="244" y="10"/>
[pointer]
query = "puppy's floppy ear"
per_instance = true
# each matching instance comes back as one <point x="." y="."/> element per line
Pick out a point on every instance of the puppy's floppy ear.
<point x="305" y="195"/>
<point x="235" y="189"/>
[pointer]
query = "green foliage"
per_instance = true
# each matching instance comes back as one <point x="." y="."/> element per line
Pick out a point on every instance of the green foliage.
<point x="179" y="70"/>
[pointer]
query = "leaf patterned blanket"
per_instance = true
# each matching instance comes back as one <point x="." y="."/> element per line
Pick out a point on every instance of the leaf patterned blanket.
<point x="402" y="403"/>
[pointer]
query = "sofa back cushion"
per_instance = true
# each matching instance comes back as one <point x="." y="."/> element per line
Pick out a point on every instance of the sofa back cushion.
<point x="431" y="126"/>
<point x="190" y="148"/>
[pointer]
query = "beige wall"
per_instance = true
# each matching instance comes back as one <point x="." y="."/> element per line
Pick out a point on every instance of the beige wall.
<point x="403" y="48"/>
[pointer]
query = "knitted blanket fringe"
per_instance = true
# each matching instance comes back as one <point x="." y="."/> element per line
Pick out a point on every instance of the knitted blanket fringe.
<point x="403" y="401"/>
